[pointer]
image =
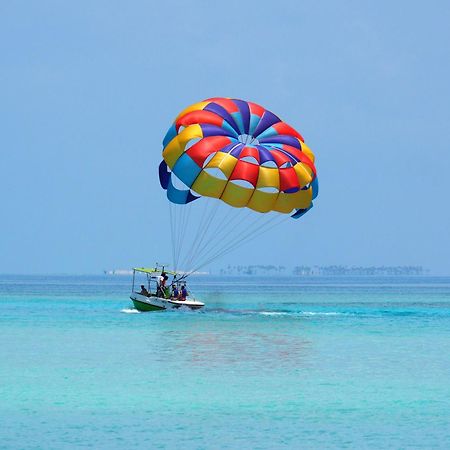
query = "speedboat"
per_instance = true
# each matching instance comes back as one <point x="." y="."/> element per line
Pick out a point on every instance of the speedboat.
<point x="156" y="297"/>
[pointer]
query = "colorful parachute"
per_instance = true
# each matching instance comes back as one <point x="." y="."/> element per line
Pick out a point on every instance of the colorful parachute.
<point x="240" y="153"/>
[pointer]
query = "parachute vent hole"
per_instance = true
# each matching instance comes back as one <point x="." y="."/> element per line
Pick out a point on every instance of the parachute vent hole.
<point x="248" y="139"/>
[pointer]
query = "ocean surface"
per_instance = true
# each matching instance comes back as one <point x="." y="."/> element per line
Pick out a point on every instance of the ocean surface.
<point x="269" y="363"/>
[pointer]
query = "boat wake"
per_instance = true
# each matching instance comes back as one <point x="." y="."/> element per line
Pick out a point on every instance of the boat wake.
<point x="278" y="313"/>
<point x="130" y="311"/>
<point x="300" y="313"/>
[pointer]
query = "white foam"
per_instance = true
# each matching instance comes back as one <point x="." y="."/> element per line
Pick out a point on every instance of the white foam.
<point x="130" y="311"/>
<point x="307" y="313"/>
<point x="274" y="313"/>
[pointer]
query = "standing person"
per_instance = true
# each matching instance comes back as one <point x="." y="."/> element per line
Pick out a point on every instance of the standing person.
<point x="162" y="280"/>
<point x="184" y="293"/>
<point x="162" y="285"/>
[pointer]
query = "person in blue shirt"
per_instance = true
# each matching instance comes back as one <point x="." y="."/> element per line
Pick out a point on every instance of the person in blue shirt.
<point x="184" y="293"/>
<point x="175" y="292"/>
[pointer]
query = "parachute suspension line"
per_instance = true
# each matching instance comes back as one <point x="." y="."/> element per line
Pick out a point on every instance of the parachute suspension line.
<point x="210" y="232"/>
<point x="171" y="232"/>
<point x="181" y="212"/>
<point x="237" y="243"/>
<point x="184" y="230"/>
<point x="226" y="226"/>
<point x="175" y="218"/>
<point x="224" y="223"/>
<point x="249" y="234"/>
<point x="205" y="203"/>
<point x="205" y="218"/>
<point x="204" y="237"/>
<point x="216" y="234"/>
<point x="232" y="239"/>
<point x="175" y="214"/>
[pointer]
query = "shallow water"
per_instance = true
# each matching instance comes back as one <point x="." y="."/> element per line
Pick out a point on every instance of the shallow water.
<point x="306" y="363"/>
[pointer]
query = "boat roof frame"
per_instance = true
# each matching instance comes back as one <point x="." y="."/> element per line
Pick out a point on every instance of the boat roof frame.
<point x="150" y="270"/>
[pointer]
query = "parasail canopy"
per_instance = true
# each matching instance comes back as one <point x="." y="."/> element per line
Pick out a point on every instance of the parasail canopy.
<point x="240" y="153"/>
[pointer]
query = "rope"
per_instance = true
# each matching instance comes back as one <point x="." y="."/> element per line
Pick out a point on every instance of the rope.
<point x="219" y="231"/>
<point x="228" y="231"/>
<point x="238" y="242"/>
<point x="205" y="229"/>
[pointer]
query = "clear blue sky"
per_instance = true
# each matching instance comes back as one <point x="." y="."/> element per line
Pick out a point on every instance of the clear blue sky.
<point x="88" y="89"/>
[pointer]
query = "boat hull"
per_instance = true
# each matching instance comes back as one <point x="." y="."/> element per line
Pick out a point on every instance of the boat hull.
<point x="152" y="303"/>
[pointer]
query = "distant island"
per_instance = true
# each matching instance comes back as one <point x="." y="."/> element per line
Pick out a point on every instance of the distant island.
<point x="303" y="271"/>
<point x="308" y="271"/>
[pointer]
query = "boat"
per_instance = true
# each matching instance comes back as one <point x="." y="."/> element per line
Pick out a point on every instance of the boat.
<point x="154" y="297"/>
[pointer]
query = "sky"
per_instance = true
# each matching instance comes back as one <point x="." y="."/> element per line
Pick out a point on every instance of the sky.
<point x="89" y="88"/>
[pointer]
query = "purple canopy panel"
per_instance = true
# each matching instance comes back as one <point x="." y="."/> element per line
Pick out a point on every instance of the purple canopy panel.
<point x="267" y="120"/>
<point x="222" y="112"/>
<point x="245" y="113"/>
<point x="282" y="139"/>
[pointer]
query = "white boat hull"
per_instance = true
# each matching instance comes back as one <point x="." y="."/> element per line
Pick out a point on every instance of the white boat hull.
<point x="153" y="303"/>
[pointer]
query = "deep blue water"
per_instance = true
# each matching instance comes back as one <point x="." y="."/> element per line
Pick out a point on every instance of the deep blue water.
<point x="286" y="363"/>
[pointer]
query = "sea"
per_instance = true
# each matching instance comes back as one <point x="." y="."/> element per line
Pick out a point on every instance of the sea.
<point x="271" y="362"/>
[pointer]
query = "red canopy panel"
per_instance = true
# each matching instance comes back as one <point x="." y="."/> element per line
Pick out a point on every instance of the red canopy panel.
<point x="256" y="109"/>
<point x="245" y="171"/>
<point x="279" y="157"/>
<point x="226" y="104"/>
<point x="250" y="151"/>
<point x="284" y="128"/>
<point x="288" y="179"/>
<point x="206" y="146"/>
<point x="199" y="116"/>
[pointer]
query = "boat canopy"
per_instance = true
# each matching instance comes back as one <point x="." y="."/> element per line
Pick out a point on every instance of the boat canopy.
<point x="153" y="270"/>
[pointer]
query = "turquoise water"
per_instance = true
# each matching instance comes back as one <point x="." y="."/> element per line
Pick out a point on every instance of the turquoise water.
<point x="306" y="363"/>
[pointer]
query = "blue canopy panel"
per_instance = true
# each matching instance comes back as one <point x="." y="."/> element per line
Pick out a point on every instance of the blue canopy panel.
<point x="300" y="212"/>
<point x="315" y="188"/>
<point x="171" y="133"/>
<point x="164" y="175"/>
<point x="175" y="195"/>
<point x="315" y="191"/>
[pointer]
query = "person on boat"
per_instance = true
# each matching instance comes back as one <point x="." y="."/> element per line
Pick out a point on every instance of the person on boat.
<point x="162" y="281"/>
<point x="184" y="293"/>
<point x="175" y="292"/>
<point x="144" y="291"/>
<point x="161" y="288"/>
